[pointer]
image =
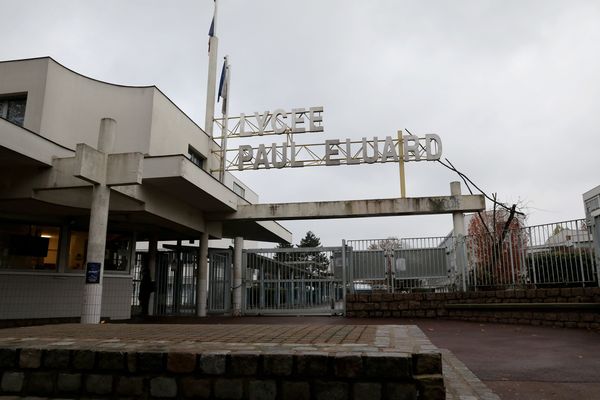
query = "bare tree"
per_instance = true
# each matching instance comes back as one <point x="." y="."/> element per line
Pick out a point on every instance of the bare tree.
<point x="496" y="242"/>
<point x="389" y="244"/>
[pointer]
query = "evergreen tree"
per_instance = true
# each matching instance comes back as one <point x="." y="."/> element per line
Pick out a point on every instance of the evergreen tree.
<point x="316" y="262"/>
<point x="310" y="240"/>
<point x="283" y="256"/>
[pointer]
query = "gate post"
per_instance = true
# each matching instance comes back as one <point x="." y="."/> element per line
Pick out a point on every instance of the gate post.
<point x="238" y="245"/>
<point x="596" y="243"/>
<point x="201" y="287"/>
<point x="458" y="222"/>
<point x="152" y="249"/>
<point x="344" y="276"/>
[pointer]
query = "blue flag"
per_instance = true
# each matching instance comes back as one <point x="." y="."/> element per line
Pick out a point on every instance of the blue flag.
<point x="222" y="91"/>
<point x="211" y="31"/>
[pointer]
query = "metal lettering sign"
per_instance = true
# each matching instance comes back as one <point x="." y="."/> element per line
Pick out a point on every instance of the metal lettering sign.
<point x="299" y="120"/>
<point x="332" y="152"/>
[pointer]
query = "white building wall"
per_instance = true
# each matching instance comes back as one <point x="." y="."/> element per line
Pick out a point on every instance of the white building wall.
<point x="73" y="106"/>
<point x="29" y="77"/>
<point x="172" y="131"/>
<point x="250" y="195"/>
<point x="57" y="296"/>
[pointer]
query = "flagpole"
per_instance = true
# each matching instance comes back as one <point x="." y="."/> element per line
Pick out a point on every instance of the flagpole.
<point x="225" y="111"/>
<point x="213" y="48"/>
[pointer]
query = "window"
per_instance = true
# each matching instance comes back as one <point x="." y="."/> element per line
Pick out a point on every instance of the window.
<point x="13" y="109"/>
<point x="196" y="157"/>
<point x="239" y="190"/>
<point x="116" y="255"/>
<point x="29" y="247"/>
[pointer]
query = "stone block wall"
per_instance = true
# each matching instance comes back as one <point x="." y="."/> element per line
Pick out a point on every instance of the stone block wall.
<point x="564" y="307"/>
<point x="72" y="373"/>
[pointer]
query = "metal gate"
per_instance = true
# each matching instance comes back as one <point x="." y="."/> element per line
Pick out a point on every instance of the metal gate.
<point x="389" y="265"/>
<point x="296" y="281"/>
<point x="219" y="278"/>
<point x="175" y="283"/>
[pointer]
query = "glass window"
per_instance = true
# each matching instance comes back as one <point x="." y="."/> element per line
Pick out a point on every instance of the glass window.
<point x="13" y="109"/>
<point x="29" y="247"/>
<point x="196" y="157"/>
<point x="77" y="250"/>
<point x="116" y="256"/>
<point x="239" y="190"/>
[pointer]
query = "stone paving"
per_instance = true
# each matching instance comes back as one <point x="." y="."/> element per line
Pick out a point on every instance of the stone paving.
<point x="306" y="361"/>
<point x="361" y="339"/>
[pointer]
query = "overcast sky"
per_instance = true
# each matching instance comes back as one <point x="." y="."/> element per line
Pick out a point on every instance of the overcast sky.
<point x="511" y="87"/>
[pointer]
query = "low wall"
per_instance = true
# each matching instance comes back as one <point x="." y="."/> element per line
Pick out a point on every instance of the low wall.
<point x="220" y="375"/>
<point x="565" y="307"/>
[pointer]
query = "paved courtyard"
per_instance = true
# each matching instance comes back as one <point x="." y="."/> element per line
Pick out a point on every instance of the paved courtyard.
<point x="516" y="362"/>
<point x="319" y="360"/>
<point x="363" y="339"/>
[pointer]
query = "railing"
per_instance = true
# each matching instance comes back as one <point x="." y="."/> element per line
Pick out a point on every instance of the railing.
<point x="551" y="255"/>
<point x="308" y="281"/>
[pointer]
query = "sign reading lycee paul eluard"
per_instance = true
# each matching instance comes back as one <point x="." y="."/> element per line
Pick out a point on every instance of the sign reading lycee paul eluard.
<point x="333" y="152"/>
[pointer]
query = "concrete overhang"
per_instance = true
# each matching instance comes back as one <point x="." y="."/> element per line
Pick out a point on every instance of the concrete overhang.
<point x="185" y="181"/>
<point x="356" y="208"/>
<point x="22" y="147"/>
<point x="264" y="231"/>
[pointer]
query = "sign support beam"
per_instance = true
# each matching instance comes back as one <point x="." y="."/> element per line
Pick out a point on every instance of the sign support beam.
<point x="356" y="208"/>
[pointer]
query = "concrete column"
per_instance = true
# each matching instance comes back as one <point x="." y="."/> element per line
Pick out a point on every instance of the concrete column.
<point x="152" y="249"/>
<point x="92" y="292"/>
<point x="458" y="223"/>
<point x="238" y="246"/>
<point x="202" y="283"/>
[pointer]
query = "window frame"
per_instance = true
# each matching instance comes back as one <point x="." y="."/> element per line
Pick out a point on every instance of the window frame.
<point x="6" y="99"/>
<point x="59" y="249"/>
<point x="239" y="187"/>
<point x="196" y="157"/>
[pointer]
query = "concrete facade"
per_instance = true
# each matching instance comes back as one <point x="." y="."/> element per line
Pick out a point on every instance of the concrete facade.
<point x="158" y="172"/>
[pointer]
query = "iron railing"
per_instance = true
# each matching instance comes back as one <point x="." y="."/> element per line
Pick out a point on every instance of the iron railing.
<point x="551" y="255"/>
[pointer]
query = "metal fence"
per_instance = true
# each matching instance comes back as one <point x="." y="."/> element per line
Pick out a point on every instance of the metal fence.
<point x="551" y="255"/>
<point x="293" y="281"/>
<point x="175" y="283"/>
<point x="315" y="280"/>
<point x="405" y="264"/>
<point x="219" y="281"/>
<point x="136" y="274"/>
